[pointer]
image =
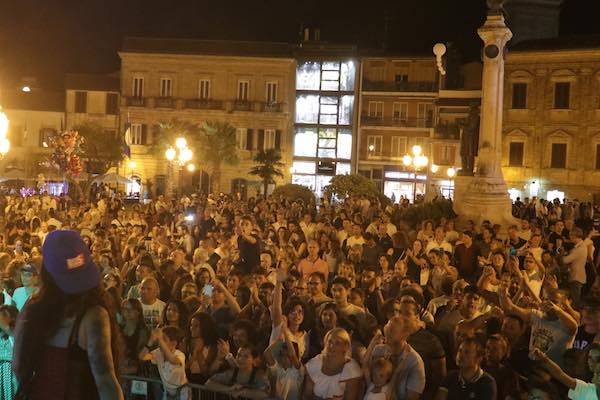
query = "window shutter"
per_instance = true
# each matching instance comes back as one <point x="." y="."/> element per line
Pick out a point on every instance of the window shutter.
<point x="261" y="139"/>
<point x="249" y="139"/>
<point x="278" y="139"/>
<point x="144" y="134"/>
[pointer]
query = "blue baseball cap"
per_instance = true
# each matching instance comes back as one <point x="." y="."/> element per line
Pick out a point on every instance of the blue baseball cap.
<point x="69" y="262"/>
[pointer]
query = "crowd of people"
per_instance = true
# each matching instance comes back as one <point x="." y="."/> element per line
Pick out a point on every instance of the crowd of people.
<point x="277" y="298"/>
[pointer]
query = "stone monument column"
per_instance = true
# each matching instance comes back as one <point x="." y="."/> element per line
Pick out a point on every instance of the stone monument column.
<point x="484" y="196"/>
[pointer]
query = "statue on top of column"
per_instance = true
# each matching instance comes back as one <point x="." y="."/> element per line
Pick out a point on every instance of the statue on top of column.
<point x="469" y="140"/>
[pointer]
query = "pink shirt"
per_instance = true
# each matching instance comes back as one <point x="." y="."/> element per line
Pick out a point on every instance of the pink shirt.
<point x="307" y="267"/>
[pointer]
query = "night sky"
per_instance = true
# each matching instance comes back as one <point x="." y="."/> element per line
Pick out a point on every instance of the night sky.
<point x="46" y="39"/>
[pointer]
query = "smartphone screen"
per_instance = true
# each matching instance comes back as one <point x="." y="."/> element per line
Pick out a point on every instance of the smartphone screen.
<point x="208" y="290"/>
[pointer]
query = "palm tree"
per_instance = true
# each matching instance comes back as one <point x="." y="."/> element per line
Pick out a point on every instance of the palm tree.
<point x="217" y="145"/>
<point x="269" y="166"/>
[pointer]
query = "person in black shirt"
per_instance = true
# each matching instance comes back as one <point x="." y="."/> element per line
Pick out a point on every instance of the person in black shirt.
<point x="469" y="381"/>
<point x="249" y="247"/>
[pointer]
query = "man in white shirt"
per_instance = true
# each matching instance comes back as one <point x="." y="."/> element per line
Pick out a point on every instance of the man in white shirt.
<point x="439" y="241"/>
<point x="576" y="260"/>
<point x="152" y="306"/>
<point x="30" y="281"/>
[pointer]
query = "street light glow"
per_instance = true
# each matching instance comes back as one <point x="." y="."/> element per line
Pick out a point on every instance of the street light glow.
<point x="451" y="172"/>
<point x="185" y="155"/>
<point x="417" y="150"/>
<point x="170" y="154"/>
<point x="191" y="167"/>
<point x="132" y="164"/>
<point x="371" y="147"/>
<point x="3" y="125"/>
<point x="421" y="161"/>
<point x="181" y="143"/>
<point x="4" y="146"/>
<point x="407" y="160"/>
<point x="434" y="168"/>
<point x="26" y="89"/>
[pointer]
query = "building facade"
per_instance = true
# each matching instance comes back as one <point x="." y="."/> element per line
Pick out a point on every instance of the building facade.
<point x="247" y="84"/>
<point x="552" y="119"/>
<point x="324" y="119"/>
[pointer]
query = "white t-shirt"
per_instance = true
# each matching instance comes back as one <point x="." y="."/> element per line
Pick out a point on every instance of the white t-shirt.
<point x="20" y="297"/>
<point x="326" y="386"/>
<point x="383" y="395"/>
<point x="152" y="313"/>
<point x="583" y="391"/>
<point x="302" y="341"/>
<point x="172" y="376"/>
<point x="288" y="382"/>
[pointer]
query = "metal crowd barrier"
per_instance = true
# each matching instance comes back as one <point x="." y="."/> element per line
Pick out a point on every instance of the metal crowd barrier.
<point x="137" y="387"/>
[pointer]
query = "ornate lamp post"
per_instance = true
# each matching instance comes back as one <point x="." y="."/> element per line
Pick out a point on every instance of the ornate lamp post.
<point x="181" y="155"/>
<point x="416" y="161"/>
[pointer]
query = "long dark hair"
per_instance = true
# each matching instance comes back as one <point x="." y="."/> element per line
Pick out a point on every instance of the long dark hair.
<point x="41" y="319"/>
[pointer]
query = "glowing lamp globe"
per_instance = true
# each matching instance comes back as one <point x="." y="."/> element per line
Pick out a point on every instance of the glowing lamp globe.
<point x="191" y="167"/>
<point x="417" y="150"/>
<point x="434" y="168"/>
<point x="407" y="160"/>
<point x="181" y="143"/>
<point x="170" y="154"/>
<point x="451" y="172"/>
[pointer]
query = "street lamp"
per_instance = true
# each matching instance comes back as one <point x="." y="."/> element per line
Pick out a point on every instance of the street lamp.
<point x="180" y="154"/>
<point x="416" y="161"/>
<point x="4" y="142"/>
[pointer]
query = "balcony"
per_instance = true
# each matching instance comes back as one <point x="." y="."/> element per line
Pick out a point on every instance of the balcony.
<point x="133" y="101"/>
<point x="164" y="102"/>
<point x="384" y="86"/>
<point x="366" y="120"/>
<point x="242" y="105"/>
<point x="450" y="131"/>
<point x="271" y="107"/>
<point x="204" y="104"/>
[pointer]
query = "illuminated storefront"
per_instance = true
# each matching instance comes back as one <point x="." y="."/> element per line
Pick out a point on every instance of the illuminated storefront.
<point x="324" y="121"/>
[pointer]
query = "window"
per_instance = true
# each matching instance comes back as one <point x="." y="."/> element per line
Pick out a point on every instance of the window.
<point x="376" y="74"/>
<point x="400" y="112"/>
<point x="376" y="109"/>
<point x="447" y="154"/>
<point x="240" y="138"/>
<point x="45" y="135"/>
<point x="562" y="95"/>
<point x="305" y="142"/>
<point x="307" y="109"/>
<point x="328" y="110"/>
<point x="330" y="76"/>
<point x="271" y="95"/>
<point x="374" y="145"/>
<point x="138" y="134"/>
<point x="398" y="146"/>
<point x="243" y="88"/>
<point x="559" y="155"/>
<point x="204" y="89"/>
<point x="344" y="144"/>
<point x="401" y="79"/>
<point x="138" y="87"/>
<point x="424" y="114"/>
<point x="327" y="143"/>
<point x="166" y="85"/>
<point x="80" y="102"/>
<point x="515" y="154"/>
<point x="112" y="103"/>
<point x="519" y="95"/>
<point x="308" y="75"/>
<point x="598" y="156"/>
<point x="270" y="139"/>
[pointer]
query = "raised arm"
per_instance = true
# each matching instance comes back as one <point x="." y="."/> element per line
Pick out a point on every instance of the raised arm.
<point x="276" y="310"/>
<point x="554" y="370"/>
<point x="96" y="326"/>
<point x="229" y="298"/>
<point x="510" y="308"/>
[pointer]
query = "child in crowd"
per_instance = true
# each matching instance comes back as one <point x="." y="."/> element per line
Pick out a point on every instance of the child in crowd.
<point x="170" y="362"/>
<point x="286" y="369"/>
<point x="246" y="380"/>
<point x="378" y="373"/>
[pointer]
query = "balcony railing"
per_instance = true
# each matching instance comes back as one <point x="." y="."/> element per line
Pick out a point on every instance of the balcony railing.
<point x="204" y="104"/>
<point x="242" y="105"/>
<point x="384" y="86"/>
<point x="447" y="131"/>
<point x="133" y="101"/>
<point x="164" y="102"/>
<point x="271" y="107"/>
<point x="396" y="122"/>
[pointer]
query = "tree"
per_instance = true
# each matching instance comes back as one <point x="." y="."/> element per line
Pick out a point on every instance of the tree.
<point x="342" y="186"/>
<point x="217" y="144"/>
<point x="294" y="192"/>
<point x="99" y="149"/>
<point x="269" y="166"/>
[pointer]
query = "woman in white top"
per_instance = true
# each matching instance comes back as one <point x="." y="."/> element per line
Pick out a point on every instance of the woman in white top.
<point x="333" y="373"/>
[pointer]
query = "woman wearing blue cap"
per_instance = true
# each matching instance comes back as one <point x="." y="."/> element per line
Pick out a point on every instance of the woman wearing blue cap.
<point x="65" y="337"/>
